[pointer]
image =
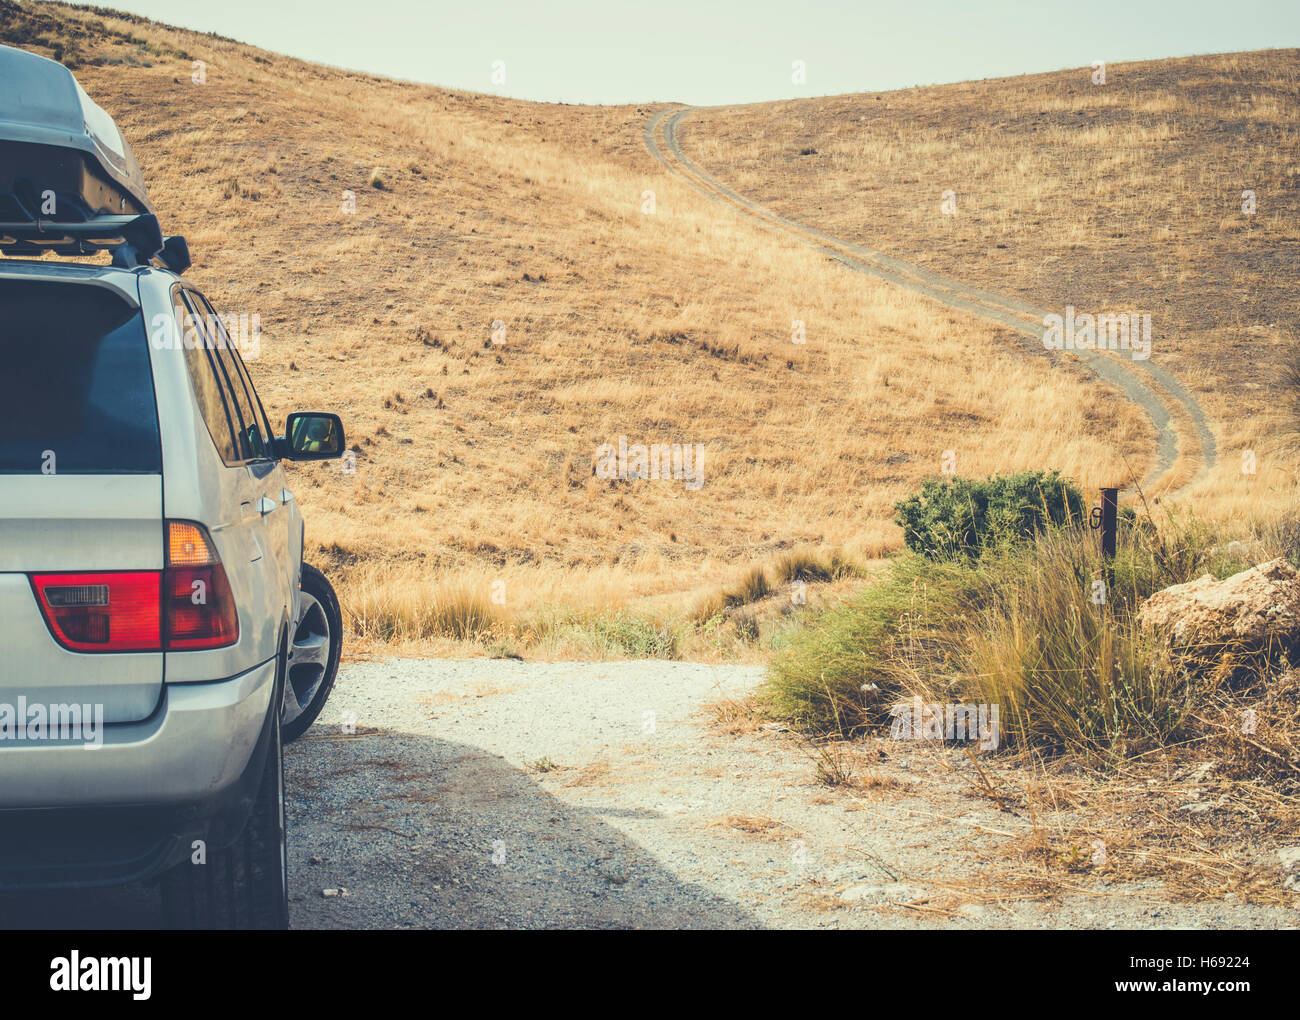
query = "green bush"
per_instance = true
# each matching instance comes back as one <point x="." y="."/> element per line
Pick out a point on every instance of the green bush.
<point x="967" y="517"/>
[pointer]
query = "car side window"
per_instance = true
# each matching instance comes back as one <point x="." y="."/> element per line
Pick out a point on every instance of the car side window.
<point x="258" y="410"/>
<point x="213" y="404"/>
<point x="257" y="401"/>
<point x="253" y="443"/>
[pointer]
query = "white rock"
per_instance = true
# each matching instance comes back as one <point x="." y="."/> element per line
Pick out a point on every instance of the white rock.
<point x="1290" y="858"/>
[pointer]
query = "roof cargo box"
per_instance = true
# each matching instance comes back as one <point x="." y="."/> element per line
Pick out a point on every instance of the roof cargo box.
<point x="54" y="139"/>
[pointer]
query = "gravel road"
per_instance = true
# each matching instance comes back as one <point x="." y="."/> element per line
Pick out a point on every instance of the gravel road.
<point x="485" y="793"/>
<point x="488" y="793"/>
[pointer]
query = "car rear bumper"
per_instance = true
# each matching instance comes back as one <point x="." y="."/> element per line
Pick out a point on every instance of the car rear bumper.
<point x="195" y="744"/>
<point x="73" y="815"/>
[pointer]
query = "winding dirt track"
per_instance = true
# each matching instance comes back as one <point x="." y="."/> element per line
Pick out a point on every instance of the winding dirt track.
<point x="1181" y="425"/>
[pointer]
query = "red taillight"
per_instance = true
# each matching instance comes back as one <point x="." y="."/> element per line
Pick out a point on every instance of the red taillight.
<point x="199" y="609"/>
<point x="186" y="606"/>
<point x="103" y="612"/>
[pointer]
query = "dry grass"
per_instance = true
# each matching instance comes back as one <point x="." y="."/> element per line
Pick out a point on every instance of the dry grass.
<point x="1071" y="831"/>
<point x="543" y="765"/>
<point x="736" y="716"/>
<point x="594" y="773"/>
<point x="520" y="222"/>
<point x="753" y="825"/>
<point x="1182" y="819"/>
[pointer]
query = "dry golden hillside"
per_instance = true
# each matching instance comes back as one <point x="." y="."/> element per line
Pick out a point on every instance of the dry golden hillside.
<point x="1122" y="194"/>
<point x="660" y="317"/>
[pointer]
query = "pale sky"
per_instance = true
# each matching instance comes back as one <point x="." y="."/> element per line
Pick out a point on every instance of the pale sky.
<point x="607" y="51"/>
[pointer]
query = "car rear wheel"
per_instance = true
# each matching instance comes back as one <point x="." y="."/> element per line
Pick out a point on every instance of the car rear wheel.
<point x="246" y="884"/>
<point x="314" y="653"/>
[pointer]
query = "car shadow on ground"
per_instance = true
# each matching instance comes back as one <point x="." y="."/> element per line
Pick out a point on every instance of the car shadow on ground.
<point x="423" y="832"/>
<point x="408" y="831"/>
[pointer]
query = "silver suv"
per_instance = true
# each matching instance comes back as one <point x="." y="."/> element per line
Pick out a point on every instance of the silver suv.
<point x="160" y="636"/>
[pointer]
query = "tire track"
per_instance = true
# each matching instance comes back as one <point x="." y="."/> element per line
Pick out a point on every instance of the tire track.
<point x="1155" y="390"/>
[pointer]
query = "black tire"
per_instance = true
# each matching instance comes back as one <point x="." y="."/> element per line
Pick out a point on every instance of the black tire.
<point x="244" y="885"/>
<point x="315" y="647"/>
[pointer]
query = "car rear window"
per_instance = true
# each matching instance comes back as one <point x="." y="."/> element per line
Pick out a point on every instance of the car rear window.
<point x="76" y="389"/>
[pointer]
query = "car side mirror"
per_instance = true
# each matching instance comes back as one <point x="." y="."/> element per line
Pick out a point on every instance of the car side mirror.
<point x="312" y="435"/>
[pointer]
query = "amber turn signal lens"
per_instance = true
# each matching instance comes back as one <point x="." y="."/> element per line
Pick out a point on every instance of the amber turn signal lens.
<point x="187" y="546"/>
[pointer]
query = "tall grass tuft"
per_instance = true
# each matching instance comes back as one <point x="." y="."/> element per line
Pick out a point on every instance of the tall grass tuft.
<point x="751" y="587"/>
<point x="842" y="671"/>
<point x="758" y="581"/>
<point x="1061" y="655"/>
<point x="811" y="565"/>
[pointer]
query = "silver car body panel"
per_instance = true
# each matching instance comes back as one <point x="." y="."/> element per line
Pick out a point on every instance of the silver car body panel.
<point x="195" y="745"/>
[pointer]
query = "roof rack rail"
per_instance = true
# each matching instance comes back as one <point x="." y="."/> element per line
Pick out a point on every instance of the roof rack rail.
<point x="133" y="240"/>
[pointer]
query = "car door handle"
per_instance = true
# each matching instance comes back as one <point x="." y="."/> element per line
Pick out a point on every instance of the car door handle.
<point x="265" y="506"/>
<point x="286" y="496"/>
